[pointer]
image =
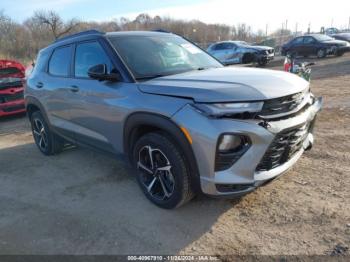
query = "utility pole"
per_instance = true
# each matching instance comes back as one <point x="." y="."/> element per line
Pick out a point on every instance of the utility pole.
<point x="286" y="24"/>
<point x="296" y="28"/>
<point x="349" y="24"/>
<point x="267" y="28"/>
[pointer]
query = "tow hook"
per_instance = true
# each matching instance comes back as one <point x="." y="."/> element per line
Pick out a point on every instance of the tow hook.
<point x="308" y="143"/>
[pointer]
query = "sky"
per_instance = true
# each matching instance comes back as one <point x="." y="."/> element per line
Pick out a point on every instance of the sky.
<point x="259" y="14"/>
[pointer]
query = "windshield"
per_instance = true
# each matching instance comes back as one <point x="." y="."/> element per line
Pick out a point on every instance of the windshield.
<point x="323" y="38"/>
<point x="153" y="56"/>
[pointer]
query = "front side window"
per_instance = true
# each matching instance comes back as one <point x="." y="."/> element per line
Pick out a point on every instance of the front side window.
<point x="151" y="56"/>
<point x="220" y="46"/>
<point x="309" y="40"/>
<point x="60" y="61"/>
<point x="87" y="55"/>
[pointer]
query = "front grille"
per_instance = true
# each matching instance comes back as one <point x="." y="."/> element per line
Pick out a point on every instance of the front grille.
<point x="11" y="84"/>
<point x="282" y="104"/>
<point x="284" y="146"/>
<point x="11" y="97"/>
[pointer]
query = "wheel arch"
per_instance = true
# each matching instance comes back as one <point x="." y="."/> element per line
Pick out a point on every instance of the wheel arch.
<point x="32" y="105"/>
<point x="141" y="123"/>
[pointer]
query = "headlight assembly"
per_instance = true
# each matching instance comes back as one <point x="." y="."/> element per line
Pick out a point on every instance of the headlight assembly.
<point x="222" y="109"/>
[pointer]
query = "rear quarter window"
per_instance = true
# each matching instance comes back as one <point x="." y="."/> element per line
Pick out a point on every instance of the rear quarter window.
<point x="41" y="62"/>
<point x="59" y="63"/>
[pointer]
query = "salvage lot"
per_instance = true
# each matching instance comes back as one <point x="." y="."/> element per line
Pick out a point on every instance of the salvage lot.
<point x="83" y="202"/>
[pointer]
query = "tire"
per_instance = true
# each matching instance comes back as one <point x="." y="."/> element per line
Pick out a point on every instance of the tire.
<point x="321" y="53"/>
<point x="47" y="142"/>
<point x="166" y="182"/>
<point x="262" y="63"/>
<point x="248" y="58"/>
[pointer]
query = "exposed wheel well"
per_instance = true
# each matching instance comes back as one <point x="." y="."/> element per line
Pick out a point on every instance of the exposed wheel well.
<point x="31" y="109"/>
<point x="139" y="131"/>
<point x="248" y="58"/>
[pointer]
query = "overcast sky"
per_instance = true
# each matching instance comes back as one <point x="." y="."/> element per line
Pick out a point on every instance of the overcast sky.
<point x="256" y="13"/>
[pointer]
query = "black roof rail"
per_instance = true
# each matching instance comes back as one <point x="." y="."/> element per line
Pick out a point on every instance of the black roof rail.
<point x="87" y="32"/>
<point x="161" y="31"/>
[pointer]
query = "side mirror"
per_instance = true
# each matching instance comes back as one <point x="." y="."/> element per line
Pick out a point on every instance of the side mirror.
<point x="99" y="72"/>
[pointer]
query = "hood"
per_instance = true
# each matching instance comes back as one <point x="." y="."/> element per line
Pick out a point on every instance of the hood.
<point x="260" y="47"/>
<point x="335" y="42"/>
<point x="228" y="84"/>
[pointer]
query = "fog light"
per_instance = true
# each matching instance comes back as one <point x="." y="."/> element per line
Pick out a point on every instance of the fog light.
<point x="230" y="142"/>
<point x="229" y="150"/>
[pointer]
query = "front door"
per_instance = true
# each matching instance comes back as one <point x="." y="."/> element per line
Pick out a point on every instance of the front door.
<point x="95" y="116"/>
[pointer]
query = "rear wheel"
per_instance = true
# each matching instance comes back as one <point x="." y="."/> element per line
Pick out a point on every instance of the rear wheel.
<point x="47" y="142"/>
<point x="162" y="171"/>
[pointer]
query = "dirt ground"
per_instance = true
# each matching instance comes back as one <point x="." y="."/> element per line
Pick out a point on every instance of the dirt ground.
<point x="83" y="202"/>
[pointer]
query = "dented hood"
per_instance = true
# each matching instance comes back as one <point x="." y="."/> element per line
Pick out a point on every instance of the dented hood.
<point x="226" y="84"/>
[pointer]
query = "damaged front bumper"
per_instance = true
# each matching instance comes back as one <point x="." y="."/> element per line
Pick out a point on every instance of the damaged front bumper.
<point x="12" y="101"/>
<point x="248" y="172"/>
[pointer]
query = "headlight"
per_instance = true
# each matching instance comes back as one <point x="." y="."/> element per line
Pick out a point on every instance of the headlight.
<point x="222" y="109"/>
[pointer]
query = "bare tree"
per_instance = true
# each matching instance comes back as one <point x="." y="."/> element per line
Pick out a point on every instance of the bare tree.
<point x="57" y="26"/>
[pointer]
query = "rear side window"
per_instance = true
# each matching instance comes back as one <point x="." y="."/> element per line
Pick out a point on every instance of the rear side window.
<point x="87" y="55"/>
<point x="60" y="61"/>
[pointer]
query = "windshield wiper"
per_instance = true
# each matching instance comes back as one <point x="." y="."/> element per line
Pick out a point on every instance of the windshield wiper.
<point x="149" y="77"/>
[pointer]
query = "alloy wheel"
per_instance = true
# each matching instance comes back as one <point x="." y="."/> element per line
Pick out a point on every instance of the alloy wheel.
<point x="155" y="171"/>
<point x="40" y="134"/>
<point x="321" y="53"/>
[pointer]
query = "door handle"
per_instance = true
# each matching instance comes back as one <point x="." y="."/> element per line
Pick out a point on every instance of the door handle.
<point x="39" y="84"/>
<point x="74" y="89"/>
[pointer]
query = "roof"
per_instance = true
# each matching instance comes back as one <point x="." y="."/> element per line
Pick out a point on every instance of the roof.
<point x="137" y="33"/>
<point x="85" y="35"/>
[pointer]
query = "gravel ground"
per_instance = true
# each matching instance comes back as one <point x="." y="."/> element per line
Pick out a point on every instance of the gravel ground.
<point x="83" y="202"/>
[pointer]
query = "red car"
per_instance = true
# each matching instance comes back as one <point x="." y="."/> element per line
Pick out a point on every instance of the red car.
<point x="12" y="76"/>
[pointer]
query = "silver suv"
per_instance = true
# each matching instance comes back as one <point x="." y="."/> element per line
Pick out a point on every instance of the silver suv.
<point x="187" y="124"/>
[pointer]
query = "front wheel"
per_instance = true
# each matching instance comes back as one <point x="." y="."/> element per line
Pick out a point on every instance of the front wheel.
<point x="321" y="53"/>
<point x="162" y="171"/>
<point x="262" y="62"/>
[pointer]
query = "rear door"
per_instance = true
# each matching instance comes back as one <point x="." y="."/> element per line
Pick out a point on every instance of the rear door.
<point x="55" y="90"/>
<point x="94" y="113"/>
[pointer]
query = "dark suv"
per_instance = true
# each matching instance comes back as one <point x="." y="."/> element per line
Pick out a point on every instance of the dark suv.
<point x="187" y="123"/>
